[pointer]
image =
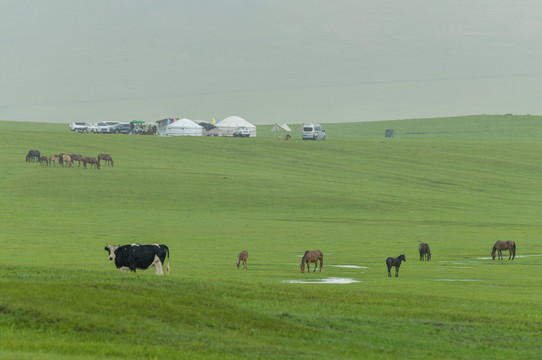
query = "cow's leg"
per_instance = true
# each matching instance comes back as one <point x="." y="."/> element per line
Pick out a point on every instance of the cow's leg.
<point x="158" y="268"/>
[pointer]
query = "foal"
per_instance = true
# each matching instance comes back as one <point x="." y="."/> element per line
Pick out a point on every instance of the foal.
<point x="395" y="262"/>
<point x="242" y="257"/>
<point x="425" y="252"/>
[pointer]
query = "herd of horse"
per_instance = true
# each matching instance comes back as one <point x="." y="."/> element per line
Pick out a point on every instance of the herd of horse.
<point x="69" y="159"/>
<point x="315" y="256"/>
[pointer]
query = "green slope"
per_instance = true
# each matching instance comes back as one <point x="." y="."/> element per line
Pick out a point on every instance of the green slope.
<point x="458" y="184"/>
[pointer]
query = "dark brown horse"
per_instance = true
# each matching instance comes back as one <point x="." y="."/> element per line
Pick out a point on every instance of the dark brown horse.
<point x="425" y="252"/>
<point x="92" y="161"/>
<point x="105" y="157"/>
<point x="395" y="262"/>
<point x="504" y="245"/>
<point x="77" y="157"/>
<point x="312" y="256"/>
<point x="43" y="160"/>
<point x="242" y="257"/>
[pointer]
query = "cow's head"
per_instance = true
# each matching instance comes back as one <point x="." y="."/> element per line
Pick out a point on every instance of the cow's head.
<point x="112" y="249"/>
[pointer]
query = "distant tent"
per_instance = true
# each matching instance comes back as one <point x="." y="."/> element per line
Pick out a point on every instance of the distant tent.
<point x="208" y="128"/>
<point x="162" y="124"/>
<point x="228" y="125"/>
<point x="184" y="127"/>
<point x="277" y="128"/>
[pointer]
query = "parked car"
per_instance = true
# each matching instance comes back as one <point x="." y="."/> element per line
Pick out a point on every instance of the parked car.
<point x="80" y="126"/>
<point x="121" y="129"/>
<point x="100" y="127"/>
<point x="111" y="123"/>
<point x="241" y="132"/>
<point x="313" y="132"/>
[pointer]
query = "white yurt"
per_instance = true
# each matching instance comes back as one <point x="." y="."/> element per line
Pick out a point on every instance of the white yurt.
<point x="227" y="126"/>
<point x="184" y="127"/>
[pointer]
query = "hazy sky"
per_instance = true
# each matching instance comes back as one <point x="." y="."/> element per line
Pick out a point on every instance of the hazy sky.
<point x="268" y="61"/>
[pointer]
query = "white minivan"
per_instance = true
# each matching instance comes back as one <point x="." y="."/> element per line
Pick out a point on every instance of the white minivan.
<point x="313" y="132"/>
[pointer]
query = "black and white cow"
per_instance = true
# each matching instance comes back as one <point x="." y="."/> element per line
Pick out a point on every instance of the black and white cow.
<point x="139" y="256"/>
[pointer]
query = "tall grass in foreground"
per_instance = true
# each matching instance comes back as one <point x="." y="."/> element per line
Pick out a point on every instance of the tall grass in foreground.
<point x="458" y="184"/>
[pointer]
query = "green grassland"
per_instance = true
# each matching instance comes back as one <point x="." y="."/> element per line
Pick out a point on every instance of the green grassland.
<point x="458" y="184"/>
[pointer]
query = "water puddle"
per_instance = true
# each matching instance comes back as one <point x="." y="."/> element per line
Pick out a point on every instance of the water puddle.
<point x="350" y="266"/>
<point x="457" y="280"/>
<point x="506" y="257"/>
<point x="331" y="280"/>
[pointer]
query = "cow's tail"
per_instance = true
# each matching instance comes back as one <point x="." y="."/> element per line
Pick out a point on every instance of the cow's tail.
<point x="167" y="265"/>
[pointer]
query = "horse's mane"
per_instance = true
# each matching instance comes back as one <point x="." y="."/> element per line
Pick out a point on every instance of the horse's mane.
<point x="304" y="256"/>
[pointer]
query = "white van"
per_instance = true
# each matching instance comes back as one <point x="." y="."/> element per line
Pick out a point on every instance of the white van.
<point x="313" y="132"/>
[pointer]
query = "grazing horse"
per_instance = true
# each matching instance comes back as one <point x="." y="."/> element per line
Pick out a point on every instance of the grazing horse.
<point x="53" y="159"/>
<point x="395" y="262"/>
<point x="92" y="161"/>
<point x="43" y="159"/>
<point x="105" y="157"/>
<point x="76" y="157"/>
<point x="425" y="252"/>
<point x="33" y="156"/>
<point x="312" y="256"/>
<point x="504" y="245"/>
<point x="59" y="156"/>
<point x="242" y="257"/>
<point x="67" y="159"/>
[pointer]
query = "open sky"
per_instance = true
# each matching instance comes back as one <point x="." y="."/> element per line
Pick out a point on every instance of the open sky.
<point x="268" y="61"/>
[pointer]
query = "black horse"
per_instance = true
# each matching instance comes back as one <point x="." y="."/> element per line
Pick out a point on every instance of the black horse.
<point x="33" y="156"/>
<point x="395" y="262"/>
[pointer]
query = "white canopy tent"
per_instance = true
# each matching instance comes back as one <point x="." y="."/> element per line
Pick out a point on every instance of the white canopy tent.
<point x="277" y="128"/>
<point x="184" y="127"/>
<point x="228" y="125"/>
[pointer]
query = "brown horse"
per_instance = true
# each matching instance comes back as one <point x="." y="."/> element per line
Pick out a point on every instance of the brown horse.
<point x="242" y="257"/>
<point x="76" y="157"/>
<point x="504" y="245"/>
<point x="53" y="159"/>
<point x="312" y="256"/>
<point x="425" y="252"/>
<point x="92" y="161"/>
<point x="67" y="159"/>
<point x="43" y="160"/>
<point x="105" y="157"/>
<point x="391" y="262"/>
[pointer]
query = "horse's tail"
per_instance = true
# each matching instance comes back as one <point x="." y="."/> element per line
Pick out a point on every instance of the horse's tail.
<point x="514" y="251"/>
<point x="111" y="161"/>
<point x="321" y="260"/>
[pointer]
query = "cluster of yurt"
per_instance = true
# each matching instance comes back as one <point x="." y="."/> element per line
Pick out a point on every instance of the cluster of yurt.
<point x="226" y="127"/>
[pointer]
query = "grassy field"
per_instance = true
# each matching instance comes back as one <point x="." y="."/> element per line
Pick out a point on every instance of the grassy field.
<point x="458" y="184"/>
